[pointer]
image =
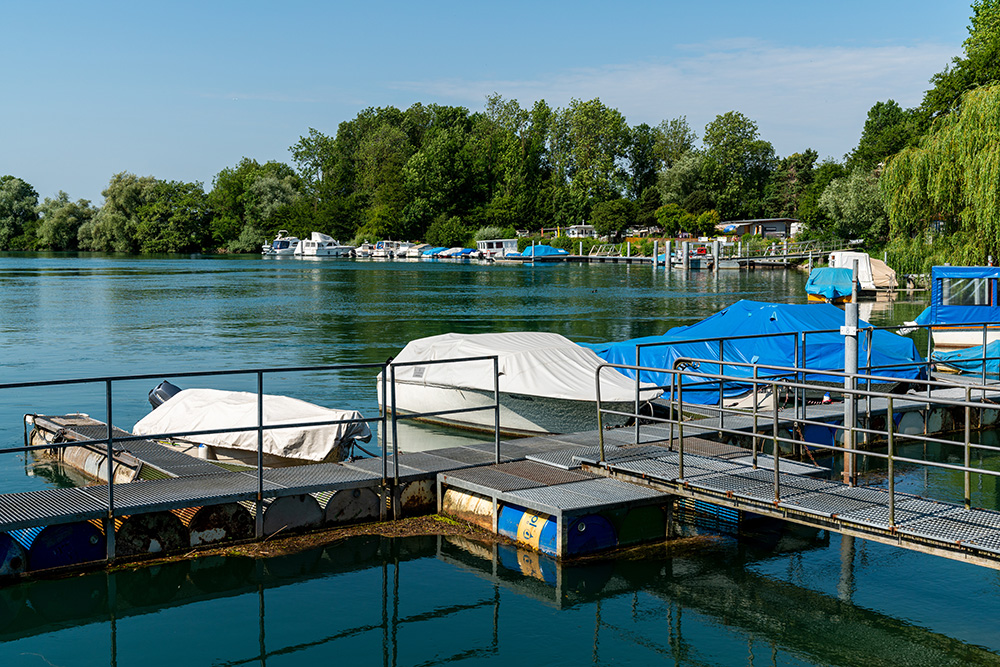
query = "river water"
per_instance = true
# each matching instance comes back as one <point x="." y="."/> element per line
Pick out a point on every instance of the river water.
<point x="783" y="598"/>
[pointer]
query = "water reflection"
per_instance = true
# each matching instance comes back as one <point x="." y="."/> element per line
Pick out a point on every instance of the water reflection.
<point x="437" y="600"/>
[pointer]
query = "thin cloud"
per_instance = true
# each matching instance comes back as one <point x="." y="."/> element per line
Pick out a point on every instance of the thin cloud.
<point x="799" y="97"/>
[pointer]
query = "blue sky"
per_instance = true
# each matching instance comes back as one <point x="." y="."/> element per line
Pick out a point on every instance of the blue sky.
<point x="180" y="90"/>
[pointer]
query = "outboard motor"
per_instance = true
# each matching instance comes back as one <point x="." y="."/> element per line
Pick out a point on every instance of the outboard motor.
<point x="161" y="393"/>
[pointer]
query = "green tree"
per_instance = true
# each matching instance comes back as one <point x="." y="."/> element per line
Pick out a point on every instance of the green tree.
<point x="448" y="232"/>
<point x="587" y="147"/>
<point x="980" y="66"/>
<point x="60" y="222"/>
<point x="887" y="131"/>
<point x="175" y="218"/>
<point x="952" y="176"/>
<point x="738" y="164"/>
<point x="642" y="159"/>
<point x="113" y="228"/>
<point x="18" y="202"/>
<point x="612" y="218"/>
<point x="789" y="182"/>
<point x="674" y="139"/>
<point x="855" y="207"/>
<point x="683" y="178"/>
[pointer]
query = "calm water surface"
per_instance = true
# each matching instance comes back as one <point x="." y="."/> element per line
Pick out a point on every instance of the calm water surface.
<point x="796" y="598"/>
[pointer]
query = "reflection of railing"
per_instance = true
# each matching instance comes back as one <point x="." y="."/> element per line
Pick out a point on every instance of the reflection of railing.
<point x="775" y="379"/>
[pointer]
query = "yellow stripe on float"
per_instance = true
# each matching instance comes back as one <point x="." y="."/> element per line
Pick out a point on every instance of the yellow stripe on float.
<point x="529" y="529"/>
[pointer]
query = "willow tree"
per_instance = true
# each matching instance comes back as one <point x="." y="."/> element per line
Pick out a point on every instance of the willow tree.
<point x="952" y="177"/>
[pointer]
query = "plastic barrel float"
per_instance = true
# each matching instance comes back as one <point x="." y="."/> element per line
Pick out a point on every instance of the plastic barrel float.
<point x="585" y="534"/>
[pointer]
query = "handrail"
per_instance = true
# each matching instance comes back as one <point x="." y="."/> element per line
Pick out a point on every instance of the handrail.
<point x="675" y="412"/>
<point x="260" y="427"/>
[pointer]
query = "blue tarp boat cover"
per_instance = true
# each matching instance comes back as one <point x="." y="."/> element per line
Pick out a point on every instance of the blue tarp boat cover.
<point x="777" y="326"/>
<point x="542" y="251"/>
<point x="962" y="295"/>
<point x="970" y="359"/>
<point x="433" y="251"/>
<point x="830" y="283"/>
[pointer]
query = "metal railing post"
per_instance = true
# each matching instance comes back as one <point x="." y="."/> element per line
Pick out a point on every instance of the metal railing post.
<point x="775" y="453"/>
<point x="600" y="414"/>
<point x="395" y="434"/>
<point x="680" y="429"/>
<point x="109" y="526"/>
<point x="968" y="448"/>
<point x="637" y="348"/>
<point x="753" y="435"/>
<point x="259" y="517"/>
<point x="385" y="421"/>
<point x="891" y="435"/>
<point x="496" y="406"/>
<point x="722" y="424"/>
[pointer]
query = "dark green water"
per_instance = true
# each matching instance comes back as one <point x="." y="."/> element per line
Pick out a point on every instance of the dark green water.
<point x="786" y="599"/>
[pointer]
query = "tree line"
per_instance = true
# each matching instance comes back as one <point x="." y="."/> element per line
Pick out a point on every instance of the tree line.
<point x="441" y="173"/>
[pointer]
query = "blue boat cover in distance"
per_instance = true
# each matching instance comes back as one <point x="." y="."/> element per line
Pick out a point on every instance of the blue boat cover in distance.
<point x="939" y="313"/>
<point x="776" y="327"/>
<point x="433" y="251"/>
<point x="970" y="359"/>
<point x="830" y="283"/>
<point x="542" y="251"/>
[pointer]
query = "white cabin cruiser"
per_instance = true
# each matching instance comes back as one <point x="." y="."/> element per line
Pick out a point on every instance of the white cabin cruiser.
<point x="547" y="383"/>
<point x="281" y="245"/>
<point x="321" y="245"/>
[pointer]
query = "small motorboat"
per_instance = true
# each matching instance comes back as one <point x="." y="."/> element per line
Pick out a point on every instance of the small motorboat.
<point x="321" y="245"/>
<point x="830" y="285"/>
<point x="547" y="383"/>
<point x="177" y="410"/>
<point x="281" y="245"/>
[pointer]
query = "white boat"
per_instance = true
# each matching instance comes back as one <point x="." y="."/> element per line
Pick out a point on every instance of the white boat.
<point x="208" y="409"/>
<point x="411" y="250"/>
<point x="547" y="383"/>
<point x="497" y="248"/>
<point x="321" y="245"/>
<point x="388" y="249"/>
<point x="874" y="275"/>
<point x="281" y="245"/>
<point x="364" y="250"/>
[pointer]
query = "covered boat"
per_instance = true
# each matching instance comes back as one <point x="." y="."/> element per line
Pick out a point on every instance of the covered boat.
<point x="874" y="275"/>
<point x="830" y="285"/>
<point x="964" y="309"/>
<point x="209" y="409"/>
<point x="540" y="252"/>
<point x="547" y="383"/>
<point x="774" y="328"/>
<point x="976" y="360"/>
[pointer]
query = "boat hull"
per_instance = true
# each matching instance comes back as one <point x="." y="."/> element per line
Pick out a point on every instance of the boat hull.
<point x="520" y="414"/>
<point x="958" y="337"/>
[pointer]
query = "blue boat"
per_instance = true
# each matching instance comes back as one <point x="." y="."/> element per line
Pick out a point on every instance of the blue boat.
<point x="766" y="334"/>
<point x="830" y="285"/>
<point x="540" y="252"/>
<point x="975" y="360"/>
<point x="965" y="309"/>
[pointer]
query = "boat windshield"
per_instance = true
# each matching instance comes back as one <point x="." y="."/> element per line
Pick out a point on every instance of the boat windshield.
<point x="967" y="291"/>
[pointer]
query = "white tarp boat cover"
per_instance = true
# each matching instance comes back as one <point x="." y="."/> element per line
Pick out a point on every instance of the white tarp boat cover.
<point x="530" y="363"/>
<point x="872" y="273"/>
<point x="205" y="409"/>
